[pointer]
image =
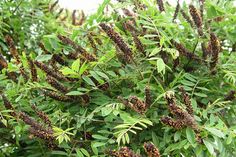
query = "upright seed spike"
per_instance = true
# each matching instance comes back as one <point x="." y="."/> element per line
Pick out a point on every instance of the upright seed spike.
<point x="196" y="18"/>
<point x="160" y="5"/>
<point x="33" y="70"/>
<point x="176" y="11"/>
<point x="118" y="41"/>
<point x="151" y="149"/>
<point x="215" y="47"/>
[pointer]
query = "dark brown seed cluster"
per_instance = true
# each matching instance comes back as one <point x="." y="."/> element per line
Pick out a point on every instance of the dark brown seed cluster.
<point x="12" y="75"/>
<point x="196" y="18"/>
<point x="57" y="85"/>
<point x="33" y="70"/>
<point x="183" y="51"/>
<point x="135" y="104"/>
<point x="176" y="11"/>
<point x="79" y="50"/>
<point x="81" y="19"/>
<point x="148" y="97"/>
<point x="8" y="105"/>
<point x="138" y="44"/>
<point x="151" y="150"/>
<point x="50" y="71"/>
<point x="73" y="17"/>
<point x="118" y="40"/>
<point x="57" y="96"/>
<point x="187" y="18"/>
<point x="177" y="124"/>
<point x="42" y="115"/>
<point x="230" y="96"/>
<point x="187" y="101"/>
<point x="215" y="49"/>
<point x="67" y="41"/>
<point x="43" y="48"/>
<point x="3" y="62"/>
<point x="58" y="58"/>
<point x="13" y="49"/>
<point x="53" y="5"/>
<point x="186" y="118"/>
<point x="39" y="130"/>
<point x="124" y="152"/>
<point x="59" y="13"/>
<point x="92" y="43"/>
<point x="160" y="5"/>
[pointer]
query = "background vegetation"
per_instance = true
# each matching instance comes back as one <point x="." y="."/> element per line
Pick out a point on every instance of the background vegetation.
<point x="149" y="79"/>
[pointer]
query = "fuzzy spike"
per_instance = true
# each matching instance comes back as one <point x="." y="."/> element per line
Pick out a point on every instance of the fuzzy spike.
<point x="196" y="18"/>
<point x="187" y="18"/>
<point x="187" y="101"/>
<point x="160" y="5"/>
<point x="215" y="47"/>
<point x="12" y="48"/>
<point x="33" y="70"/>
<point x="151" y="149"/>
<point x="176" y="11"/>
<point x="57" y="85"/>
<point x="8" y="105"/>
<point x="118" y="41"/>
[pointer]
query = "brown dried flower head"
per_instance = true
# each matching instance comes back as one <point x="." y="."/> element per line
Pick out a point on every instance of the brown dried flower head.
<point x="118" y="41"/>
<point x="151" y="150"/>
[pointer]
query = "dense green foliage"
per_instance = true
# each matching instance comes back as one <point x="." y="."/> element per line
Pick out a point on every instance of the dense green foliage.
<point x="150" y="76"/>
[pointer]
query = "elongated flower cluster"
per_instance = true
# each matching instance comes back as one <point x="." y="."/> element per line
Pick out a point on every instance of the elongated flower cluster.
<point x="138" y="44"/>
<point x="39" y="130"/>
<point x="67" y="41"/>
<point x="183" y="51"/>
<point x="57" y="85"/>
<point x="33" y="70"/>
<point x="13" y="49"/>
<point x="8" y="105"/>
<point x="58" y="58"/>
<point x="58" y="96"/>
<point x="53" y="5"/>
<point x="151" y="149"/>
<point x="177" y="8"/>
<point x="230" y="96"/>
<point x="73" y="16"/>
<point x="183" y="118"/>
<point x="215" y="49"/>
<point x="187" y="101"/>
<point x="148" y="97"/>
<point x="3" y="62"/>
<point x="50" y="71"/>
<point x="79" y="50"/>
<point x="118" y="41"/>
<point x="137" y="104"/>
<point x="43" y="48"/>
<point x="92" y="43"/>
<point x="42" y="115"/>
<point x="196" y="16"/>
<point x="187" y="18"/>
<point x="160" y="5"/>
<point x="177" y="124"/>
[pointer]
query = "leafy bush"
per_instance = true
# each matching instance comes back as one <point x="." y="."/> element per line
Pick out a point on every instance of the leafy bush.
<point x="145" y="80"/>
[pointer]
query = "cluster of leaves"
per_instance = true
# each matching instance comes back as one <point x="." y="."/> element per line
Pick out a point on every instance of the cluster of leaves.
<point x="145" y="80"/>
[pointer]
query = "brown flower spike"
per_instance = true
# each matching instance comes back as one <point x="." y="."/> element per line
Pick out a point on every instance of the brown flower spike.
<point x="196" y="18"/>
<point x="33" y="70"/>
<point x="42" y="115"/>
<point x="8" y="105"/>
<point x="215" y="48"/>
<point x="160" y="5"/>
<point x="151" y="150"/>
<point x="118" y="41"/>
<point x="50" y="71"/>
<point x="57" y="85"/>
